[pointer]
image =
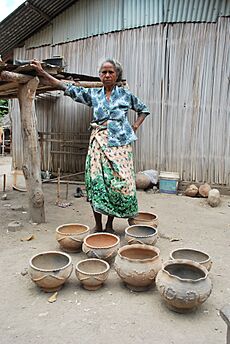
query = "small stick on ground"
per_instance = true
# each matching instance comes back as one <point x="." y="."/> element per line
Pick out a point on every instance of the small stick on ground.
<point x="58" y="186"/>
<point x="67" y="190"/>
<point x="4" y="182"/>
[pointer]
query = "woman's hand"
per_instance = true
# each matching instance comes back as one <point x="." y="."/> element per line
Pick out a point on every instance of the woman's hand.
<point x="47" y="79"/>
<point x="37" y="66"/>
<point x="138" y="122"/>
<point x="135" y="127"/>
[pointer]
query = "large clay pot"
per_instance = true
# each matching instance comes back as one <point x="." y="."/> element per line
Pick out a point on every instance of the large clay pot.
<point x="92" y="273"/>
<point x="192" y="254"/>
<point x="141" y="234"/>
<point x="101" y="245"/>
<point x="142" y="181"/>
<point x="144" y="218"/>
<point x="137" y="265"/>
<point x="70" y="236"/>
<point x="49" y="270"/>
<point x="183" y="284"/>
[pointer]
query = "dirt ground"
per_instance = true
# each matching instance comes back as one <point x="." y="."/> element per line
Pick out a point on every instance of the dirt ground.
<point x="112" y="314"/>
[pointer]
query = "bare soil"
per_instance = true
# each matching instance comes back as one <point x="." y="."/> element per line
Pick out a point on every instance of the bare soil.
<point x="113" y="313"/>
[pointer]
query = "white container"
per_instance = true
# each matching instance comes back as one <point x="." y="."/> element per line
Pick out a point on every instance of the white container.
<point x="169" y="182"/>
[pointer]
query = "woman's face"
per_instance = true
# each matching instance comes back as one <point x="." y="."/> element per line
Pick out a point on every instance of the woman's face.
<point x="108" y="75"/>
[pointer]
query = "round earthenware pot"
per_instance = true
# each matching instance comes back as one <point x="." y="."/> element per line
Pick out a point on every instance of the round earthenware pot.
<point x="70" y="236"/>
<point x="141" y="234"/>
<point x="192" y="254"/>
<point x="49" y="270"/>
<point x="92" y="273"/>
<point x="137" y="265"/>
<point x="144" y="218"/>
<point x="183" y="284"/>
<point x="101" y="245"/>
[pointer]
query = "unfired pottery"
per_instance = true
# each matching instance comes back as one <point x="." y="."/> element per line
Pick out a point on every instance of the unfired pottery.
<point x="137" y="265"/>
<point x="183" y="284"/>
<point x="70" y="236"/>
<point x="144" y="218"/>
<point x="192" y="254"/>
<point x="141" y="234"/>
<point x="49" y="270"/>
<point x="92" y="273"/>
<point x="101" y="245"/>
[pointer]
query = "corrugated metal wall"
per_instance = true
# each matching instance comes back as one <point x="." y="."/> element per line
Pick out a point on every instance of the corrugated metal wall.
<point x="89" y="18"/>
<point x="181" y="71"/>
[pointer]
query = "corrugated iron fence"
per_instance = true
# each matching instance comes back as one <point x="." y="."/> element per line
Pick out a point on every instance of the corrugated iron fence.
<point x="181" y="71"/>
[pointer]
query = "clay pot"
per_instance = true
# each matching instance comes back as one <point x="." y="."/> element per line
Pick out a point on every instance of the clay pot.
<point x="101" y="245"/>
<point x="142" y="181"/>
<point x="49" y="270"/>
<point x="195" y="255"/>
<point x="144" y="218"/>
<point x="70" y="236"/>
<point x="92" y="273"/>
<point x="137" y="265"/>
<point x="183" y="284"/>
<point x="141" y="234"/>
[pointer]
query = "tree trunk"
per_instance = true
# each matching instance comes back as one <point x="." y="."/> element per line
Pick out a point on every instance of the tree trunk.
<point x="31" y="150"/>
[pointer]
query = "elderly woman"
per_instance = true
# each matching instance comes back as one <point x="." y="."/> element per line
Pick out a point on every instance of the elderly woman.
<point x="109" y="174"/>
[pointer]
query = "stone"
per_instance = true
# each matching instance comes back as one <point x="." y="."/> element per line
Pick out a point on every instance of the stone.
<point x="191" y="191"/>
<point x="17" y="208"/>
<point x="214" y="197"/>
<point x="4" y="197"/>
<point x="14" y="226"/>
<point x="204" y="190"/>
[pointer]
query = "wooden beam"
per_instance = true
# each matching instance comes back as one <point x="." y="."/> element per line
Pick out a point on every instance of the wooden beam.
<point x="31" y="151"/>
<point x="15" y="77"/>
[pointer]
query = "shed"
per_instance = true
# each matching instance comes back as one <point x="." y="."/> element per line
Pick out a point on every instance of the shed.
<point x="175" y="56"/>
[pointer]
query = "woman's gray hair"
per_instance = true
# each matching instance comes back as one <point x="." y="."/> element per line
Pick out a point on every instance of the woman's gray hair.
<point x="117" y="66"/>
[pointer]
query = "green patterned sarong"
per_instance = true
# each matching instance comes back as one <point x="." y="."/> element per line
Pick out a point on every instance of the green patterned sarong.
<point x="109" y="177"/>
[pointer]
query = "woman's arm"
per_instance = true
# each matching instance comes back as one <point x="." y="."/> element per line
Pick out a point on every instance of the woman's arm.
<point x="138" y="122"/>
<point x="48" y="78"/>
<point x="79" y="94"/>
<point x="141" y="109"/>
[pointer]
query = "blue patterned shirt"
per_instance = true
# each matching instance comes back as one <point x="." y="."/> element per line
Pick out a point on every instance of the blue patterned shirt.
<point x="114" y="111"/>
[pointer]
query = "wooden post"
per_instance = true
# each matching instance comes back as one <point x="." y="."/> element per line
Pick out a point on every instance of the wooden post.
<point x="31" y="152"/>
<point x="27" y="86"/>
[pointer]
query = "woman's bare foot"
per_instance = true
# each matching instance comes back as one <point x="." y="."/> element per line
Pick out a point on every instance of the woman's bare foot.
<point x="109" y="225"/>
<point x="108" y="229"/>
<point x="97" y="229"/>
<point x="98" y="222"/>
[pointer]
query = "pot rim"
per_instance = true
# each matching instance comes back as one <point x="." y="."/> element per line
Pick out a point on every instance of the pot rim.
<point x="141" y="236"/>
<point x="192" y="249"/>
<point x="145" y="212"/>
<point x="187" y="262"/>
<point x="50" y="252"/>
<point x="71" y="224"/>
<point x="101" y="248"/>
<point x="141" y="246"/>
<point x="92" y="273"/>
